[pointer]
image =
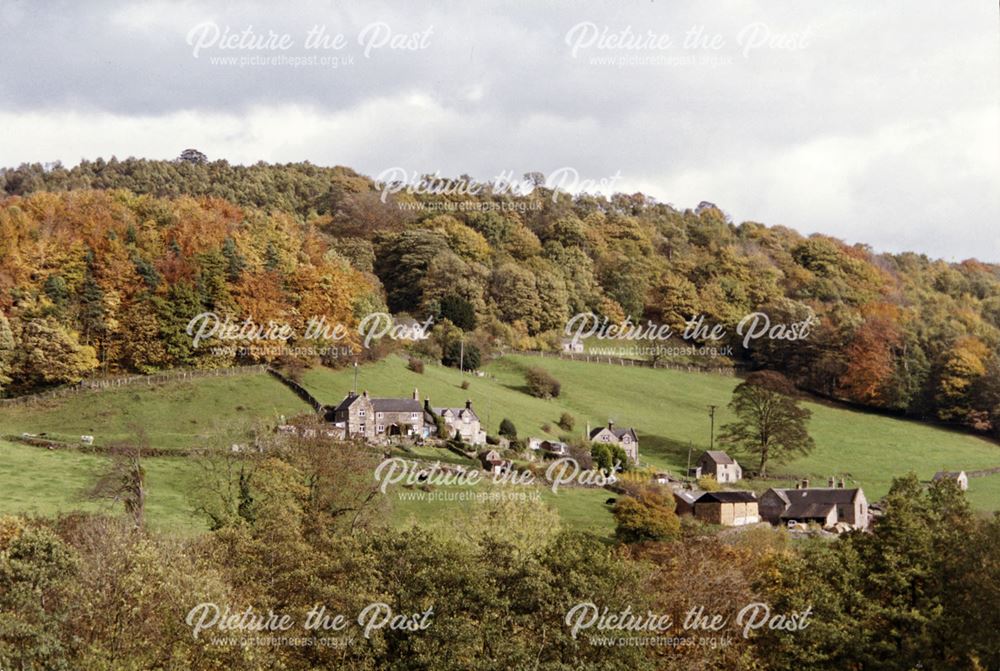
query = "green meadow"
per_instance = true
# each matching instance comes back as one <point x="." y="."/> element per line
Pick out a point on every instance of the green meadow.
<point x="669" y="410"/>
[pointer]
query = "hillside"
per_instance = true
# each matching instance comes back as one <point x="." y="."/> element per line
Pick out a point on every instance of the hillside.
<point x="668" y="409"/>
<point x="103" y="265"/>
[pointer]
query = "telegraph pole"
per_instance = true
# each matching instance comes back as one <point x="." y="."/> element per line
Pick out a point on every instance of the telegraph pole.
<point x="711" y="414"/>
<point x="355" y="377"/>
<point x="687" y="473"/>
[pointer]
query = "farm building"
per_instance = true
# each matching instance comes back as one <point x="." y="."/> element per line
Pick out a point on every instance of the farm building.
<point x="727" y="508"/>
<point x="719" y="465"/>
<point x="825" y="506"/>
<point x="958" y="476"/>
<point x="380" y="418"/>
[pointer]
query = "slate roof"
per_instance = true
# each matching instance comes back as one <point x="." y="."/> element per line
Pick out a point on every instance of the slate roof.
<point x="727" y="497"/>
<point x="347" y="402"/>
<point x="616" y="432"/>
<point x="806" y="510"/>
<point x="458" y="412"/>
<point x="818" y="495"/>
<point x="396" y="405"/>
<point x="383" y="404"/>
<point x="948" y="475"/>
<point x="719" y="456"/>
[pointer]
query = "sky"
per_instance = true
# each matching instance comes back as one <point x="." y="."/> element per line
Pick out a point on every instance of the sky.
<point x="872" y="122"/>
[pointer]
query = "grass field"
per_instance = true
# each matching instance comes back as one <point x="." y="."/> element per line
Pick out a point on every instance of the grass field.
<point x="37" y="481"/>
<point x="196" y="413"/>
<point x="667" y="408"/>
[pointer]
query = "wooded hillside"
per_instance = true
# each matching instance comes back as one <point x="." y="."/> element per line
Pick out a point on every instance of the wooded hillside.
<point x="103" y="265"/>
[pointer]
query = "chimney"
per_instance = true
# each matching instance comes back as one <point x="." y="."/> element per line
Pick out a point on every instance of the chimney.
<point x="365" y="393"/>
<point x="611" y="425"/>
<point x="843" y="483"/>
<point x="805" y="484"/>
<point x="427" y="404"/>
<point x="832" y="482"/>
<point x="468" y="404"/>
<point x="416" y="394"/>
<point x="798" y="484"/>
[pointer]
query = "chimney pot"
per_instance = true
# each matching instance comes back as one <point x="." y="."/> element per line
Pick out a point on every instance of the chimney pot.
<point x="468" y="404"/>
<point x="416" y="394"/>
<point x="832" y="482"/>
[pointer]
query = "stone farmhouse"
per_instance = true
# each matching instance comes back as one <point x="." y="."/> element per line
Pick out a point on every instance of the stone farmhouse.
<point x="462" y="422"/>
<point x="624" y="438"/>
<point x="378" y="419"/>
<point x="825" y="506"/>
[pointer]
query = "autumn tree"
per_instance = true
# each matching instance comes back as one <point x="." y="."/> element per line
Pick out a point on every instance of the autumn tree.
<point x="647" y="515"/>
<point x="770" y="424"/>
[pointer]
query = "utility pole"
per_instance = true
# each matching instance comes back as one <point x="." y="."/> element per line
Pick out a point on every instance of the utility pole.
<point x="711" y="414"/>
<point x="355" y="377"/>
<point x="687" y="473"/>
<point x="461" y="357"/>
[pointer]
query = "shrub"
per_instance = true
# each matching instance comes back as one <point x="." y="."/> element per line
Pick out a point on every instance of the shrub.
<point x="648" y="516"/>
<point x="547" y="428"/>
<point x="541" y="383"/>
<point x="709" y="484"/>
<point x="507" y="429"/>
<point x="601" y="456"/>
<point x="465" y="384"/>
<point x="567" y="421"/>
<point x="416" y="365"/>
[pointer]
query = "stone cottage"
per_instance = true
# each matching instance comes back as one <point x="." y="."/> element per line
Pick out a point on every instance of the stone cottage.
<point x="624" y="438"/>
<point x="377" y="419"/>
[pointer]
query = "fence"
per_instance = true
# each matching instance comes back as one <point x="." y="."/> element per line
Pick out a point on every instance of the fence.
<point x="639" y="363"/>
<point x="105" y="383"/>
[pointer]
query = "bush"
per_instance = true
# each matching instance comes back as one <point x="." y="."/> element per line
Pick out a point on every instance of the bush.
<point x="601" y="456"/>
<point x="546" y="427"/>
<point x="465" y="384"/>
<point x="648" y="516"/>
<point x="566" y="421"/>
<point x="416" y="365"/>
<point x="507" y="429"/>
<point x="709" y="484"/>
<point x="541" y="383"/>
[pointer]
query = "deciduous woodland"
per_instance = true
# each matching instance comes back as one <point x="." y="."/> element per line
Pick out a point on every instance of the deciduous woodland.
<point x="103" y="265"/>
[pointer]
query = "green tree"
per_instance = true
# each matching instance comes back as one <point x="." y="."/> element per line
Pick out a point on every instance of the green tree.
<point x="770" y="424"/>
<point x="507" y="429"/>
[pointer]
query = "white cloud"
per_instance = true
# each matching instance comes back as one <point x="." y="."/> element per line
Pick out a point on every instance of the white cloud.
<point x="882" y="129"/>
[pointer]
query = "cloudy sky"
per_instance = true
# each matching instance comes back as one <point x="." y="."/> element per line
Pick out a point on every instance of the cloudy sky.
<point x="873" y="122"/>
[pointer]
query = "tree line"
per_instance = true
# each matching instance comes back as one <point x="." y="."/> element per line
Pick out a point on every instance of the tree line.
<point x="136" y="246"/>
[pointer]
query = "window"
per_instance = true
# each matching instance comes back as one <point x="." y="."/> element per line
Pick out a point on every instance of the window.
<point x="413" y="415"/>
<point x="379" y="415"/>
<point x="379" y="428"/>
<point x="361" y="413"/>
<point x="361" y="428"/>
